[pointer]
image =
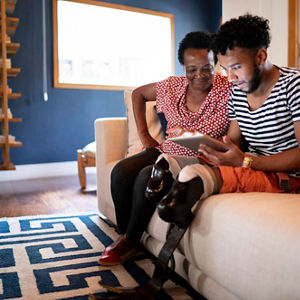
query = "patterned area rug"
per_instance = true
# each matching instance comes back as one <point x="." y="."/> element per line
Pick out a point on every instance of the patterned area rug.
<point x="55" y="257"/>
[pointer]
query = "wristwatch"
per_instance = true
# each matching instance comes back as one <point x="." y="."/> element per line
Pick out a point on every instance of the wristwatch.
<point x="247" y="162"/>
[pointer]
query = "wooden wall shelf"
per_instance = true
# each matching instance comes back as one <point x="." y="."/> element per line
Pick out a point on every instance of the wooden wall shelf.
<point x="14" y="144"/>
<point x="11" y="72"/>
<point x="8" y="27"/>
<point x="13" y="96"/>
<point x="10" y="8"/>
<point x="12" y="120"/>
<point x="12" y="1"/>
<point x="10" y="167"/>
<point x="11" y="48"/>
<point x="11" y="25"/>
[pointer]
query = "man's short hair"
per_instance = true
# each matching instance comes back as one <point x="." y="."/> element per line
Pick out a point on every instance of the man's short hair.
<point x="195" y="40"/>
<point x="246" y="31"/>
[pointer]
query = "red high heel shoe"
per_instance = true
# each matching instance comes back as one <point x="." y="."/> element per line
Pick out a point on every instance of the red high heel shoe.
<point x="118" y="252"/>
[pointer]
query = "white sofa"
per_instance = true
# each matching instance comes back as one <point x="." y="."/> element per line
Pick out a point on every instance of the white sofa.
<point x="239" y="246"/>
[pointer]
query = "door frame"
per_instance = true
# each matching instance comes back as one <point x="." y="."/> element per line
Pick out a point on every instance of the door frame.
<point x="293" y="43"/>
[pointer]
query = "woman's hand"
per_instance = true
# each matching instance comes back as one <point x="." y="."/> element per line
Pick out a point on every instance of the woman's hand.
<point x="179" y="131"/>
<point x="139" y="97"/>
<point x="149" y="142"/>
<point x="232" y="157"/>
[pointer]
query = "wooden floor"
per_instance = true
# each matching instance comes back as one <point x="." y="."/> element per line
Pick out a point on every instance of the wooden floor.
<point x="58" y="195"/>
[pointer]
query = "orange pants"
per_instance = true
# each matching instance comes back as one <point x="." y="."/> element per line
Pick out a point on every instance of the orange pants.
<point x="243" y="180"/>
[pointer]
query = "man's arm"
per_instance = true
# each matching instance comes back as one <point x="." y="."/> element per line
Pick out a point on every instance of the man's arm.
<point x="234" y="133"/>
<point x="284" y="161"/>
<point x="139" y="98"/>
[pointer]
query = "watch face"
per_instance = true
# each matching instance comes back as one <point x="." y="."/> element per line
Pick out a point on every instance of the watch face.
<point x="247" y="162"/>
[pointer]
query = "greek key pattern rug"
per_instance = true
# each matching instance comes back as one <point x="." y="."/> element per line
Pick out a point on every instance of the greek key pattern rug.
<point x="55" y="257"/>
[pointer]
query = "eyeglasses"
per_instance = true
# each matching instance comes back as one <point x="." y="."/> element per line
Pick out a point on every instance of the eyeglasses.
<point x="203" y="70"/>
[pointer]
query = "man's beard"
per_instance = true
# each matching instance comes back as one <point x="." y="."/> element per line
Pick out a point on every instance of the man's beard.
<point x="255" y="81"/>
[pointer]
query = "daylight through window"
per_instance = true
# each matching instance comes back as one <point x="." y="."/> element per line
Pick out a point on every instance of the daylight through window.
<point x="101" y="45"/>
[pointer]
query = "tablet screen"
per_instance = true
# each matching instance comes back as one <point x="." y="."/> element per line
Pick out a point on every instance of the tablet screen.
<point x="194" y="141"/>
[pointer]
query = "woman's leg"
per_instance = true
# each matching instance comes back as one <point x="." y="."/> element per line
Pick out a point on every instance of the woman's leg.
<point x="123" y="177"/>
<point x="143" y="208"/>
<point x="138" y="217"/>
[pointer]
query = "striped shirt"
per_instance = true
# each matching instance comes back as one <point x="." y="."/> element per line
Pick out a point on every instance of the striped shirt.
<point x="270" y="128"/>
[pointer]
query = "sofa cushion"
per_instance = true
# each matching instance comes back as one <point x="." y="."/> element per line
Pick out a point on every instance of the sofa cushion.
<point x="90" y="150"/>
<point x="155" y="129"/>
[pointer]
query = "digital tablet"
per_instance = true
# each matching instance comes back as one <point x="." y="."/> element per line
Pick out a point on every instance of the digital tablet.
<point x="194" y="141"/>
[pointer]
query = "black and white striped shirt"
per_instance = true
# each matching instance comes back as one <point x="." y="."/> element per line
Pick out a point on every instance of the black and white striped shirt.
<point x="270" y="128"/>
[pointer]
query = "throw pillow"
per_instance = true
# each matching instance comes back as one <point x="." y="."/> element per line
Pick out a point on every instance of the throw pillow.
<point x="155" y="129"/>
<point x="90" y="150"/>
<point x="162" y="120"/>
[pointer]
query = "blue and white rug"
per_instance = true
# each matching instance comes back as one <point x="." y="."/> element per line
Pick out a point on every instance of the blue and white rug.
<point x="55" y="257"/>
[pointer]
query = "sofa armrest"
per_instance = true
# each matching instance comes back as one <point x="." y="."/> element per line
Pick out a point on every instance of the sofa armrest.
<point x="111" y="140"/>
<point x="111" y="146"/>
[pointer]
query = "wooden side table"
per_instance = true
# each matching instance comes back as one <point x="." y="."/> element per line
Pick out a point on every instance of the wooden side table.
<point x="85" y="158"/>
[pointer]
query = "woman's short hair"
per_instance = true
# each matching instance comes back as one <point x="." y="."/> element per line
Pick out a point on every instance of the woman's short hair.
<point x="195" y="40"/>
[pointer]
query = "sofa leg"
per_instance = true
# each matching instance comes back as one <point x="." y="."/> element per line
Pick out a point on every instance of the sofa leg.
<point x="81" y="169"/>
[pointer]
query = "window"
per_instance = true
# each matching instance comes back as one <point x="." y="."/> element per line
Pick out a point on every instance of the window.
<point x="99" y="45"/>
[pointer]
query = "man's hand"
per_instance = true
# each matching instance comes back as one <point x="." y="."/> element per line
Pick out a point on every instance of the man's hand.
<point x="232" y="157"/>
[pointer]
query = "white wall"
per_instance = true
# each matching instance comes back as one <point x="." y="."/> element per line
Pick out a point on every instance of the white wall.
<point x="276" y="11"/>
<point x="35" y="171"/>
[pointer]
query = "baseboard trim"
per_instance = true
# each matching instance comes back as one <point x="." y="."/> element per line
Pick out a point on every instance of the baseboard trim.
<point x="34" y="171"/>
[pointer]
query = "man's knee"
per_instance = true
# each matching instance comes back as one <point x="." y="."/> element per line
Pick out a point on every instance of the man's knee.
<point x="207" y="175"/>
<point x="189" y="172"/>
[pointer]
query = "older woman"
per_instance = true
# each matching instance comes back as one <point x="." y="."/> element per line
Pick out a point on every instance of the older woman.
<point x="195" y="102"/>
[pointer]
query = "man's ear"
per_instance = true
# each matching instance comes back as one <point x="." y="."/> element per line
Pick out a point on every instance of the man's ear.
<point x="261" y="56"/>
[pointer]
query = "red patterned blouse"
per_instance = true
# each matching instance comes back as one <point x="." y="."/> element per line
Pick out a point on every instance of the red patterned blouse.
<point x="211" y="119"/>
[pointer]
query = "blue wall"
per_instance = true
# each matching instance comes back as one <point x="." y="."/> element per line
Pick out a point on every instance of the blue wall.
<point x="52" y="131"/>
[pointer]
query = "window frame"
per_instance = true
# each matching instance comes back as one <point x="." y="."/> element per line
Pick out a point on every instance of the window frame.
<point x="58" y="84"/>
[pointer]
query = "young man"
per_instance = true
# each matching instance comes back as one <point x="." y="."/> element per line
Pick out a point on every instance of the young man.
<point x="264" y="111"/>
